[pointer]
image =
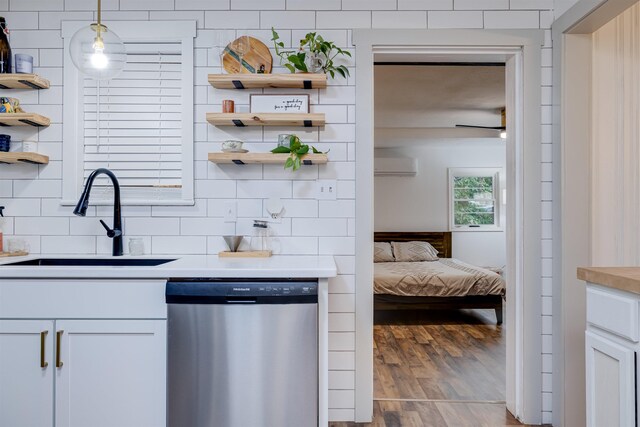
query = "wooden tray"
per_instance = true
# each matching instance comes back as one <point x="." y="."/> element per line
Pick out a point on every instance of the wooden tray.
<point x="256" y="58"/>
<point x="245" y="254"/>
<point x="23" y="119"/>
<point x="5" y="254"/>
<point x="20" y="157"/>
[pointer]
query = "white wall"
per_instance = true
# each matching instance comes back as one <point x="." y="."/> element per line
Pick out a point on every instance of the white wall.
<point x="420" y="203"/>
<point x="32" y="193"/>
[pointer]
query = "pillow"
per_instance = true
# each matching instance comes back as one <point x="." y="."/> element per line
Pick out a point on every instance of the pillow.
<point x="382" y="252"/>
<point x="414" y="251"/>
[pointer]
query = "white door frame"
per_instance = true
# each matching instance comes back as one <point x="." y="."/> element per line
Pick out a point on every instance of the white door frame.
<point x="524" y="360"/>
<point x="572" y="86"/>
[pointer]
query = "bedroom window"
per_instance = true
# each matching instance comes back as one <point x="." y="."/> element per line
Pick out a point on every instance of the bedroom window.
<point x="139" y="124"/>
<point x="474" y="199"/>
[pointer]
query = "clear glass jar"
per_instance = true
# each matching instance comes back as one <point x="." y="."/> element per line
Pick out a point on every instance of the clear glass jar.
<point x="136" y="246"/>
<point x="260" y="240"/>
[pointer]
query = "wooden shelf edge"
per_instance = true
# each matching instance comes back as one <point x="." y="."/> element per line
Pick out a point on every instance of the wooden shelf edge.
<point x="20" y="157"/>
<point x="258" y="81"/>
<point x="266" y="119"/>
<point x="23" y="81"/>
<point x="244" y="254"/>
<point x="264" y="158"/>
<point x="24" y="119"/>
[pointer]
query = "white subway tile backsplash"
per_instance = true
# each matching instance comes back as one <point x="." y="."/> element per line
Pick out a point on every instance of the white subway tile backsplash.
<point x="179" y="15"/>
<point x="21" y="20"/>
<point x="349" y="19"/>
<point x="337" y="209"/>
<point x="410" y="19"/>
<point x="319" y="227"/>
<point x="511" y="19"/>
<point x="202" y="4"/>
<point x="89" y="5"/>
<point x="179" y="245"/>
<point x="34" y="5"/>
<point x="263" y="189"/>
<point x="232" y="19"/>
<point x="145" y="226"/>
<point x="81" y="245"/>
<point x="368" y="4"/>
<point x="258" y="4"/>
<point x="146" y="4"/>
<point x="457" y="19"/>
<point x="45" y="188"/>
<point x="314" y="5"/>
<point x="206" y="227"/>
<point x="289" y="19"/>
<point x="53" y="20"/>
<point x="42" y="226"/>
<point x="425" y="4"/>
<point x="480" y="4"/>
<point x="50" y="57"/>
<point x="21" y="207"/>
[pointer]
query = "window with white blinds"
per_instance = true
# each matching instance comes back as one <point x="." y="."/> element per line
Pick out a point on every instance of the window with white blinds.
<point x="132" y="123"/>
<point x="138" y="124"/>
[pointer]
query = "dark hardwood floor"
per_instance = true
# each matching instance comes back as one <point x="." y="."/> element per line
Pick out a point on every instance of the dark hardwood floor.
<point x="439" y="368"/>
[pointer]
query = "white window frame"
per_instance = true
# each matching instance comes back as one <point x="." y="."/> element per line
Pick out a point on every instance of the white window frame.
<point x="183" y="32"/>
<point x="497" y="174"/>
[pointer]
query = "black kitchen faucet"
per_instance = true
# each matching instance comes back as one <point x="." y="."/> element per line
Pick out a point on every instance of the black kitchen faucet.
<point x="83" y="204"/>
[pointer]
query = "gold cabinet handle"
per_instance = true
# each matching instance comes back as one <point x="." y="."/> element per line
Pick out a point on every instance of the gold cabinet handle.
<point x="58" y="339"/>
<point x="43" y="342"/>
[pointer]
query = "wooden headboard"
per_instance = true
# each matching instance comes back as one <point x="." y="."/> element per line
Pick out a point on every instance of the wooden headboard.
<point x="441" y="240"/>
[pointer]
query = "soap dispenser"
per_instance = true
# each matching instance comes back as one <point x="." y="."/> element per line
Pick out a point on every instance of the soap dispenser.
<point x="1" y="237"/>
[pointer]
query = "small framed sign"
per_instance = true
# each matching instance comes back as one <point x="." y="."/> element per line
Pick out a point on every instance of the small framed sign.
<point x="279" y="103"/>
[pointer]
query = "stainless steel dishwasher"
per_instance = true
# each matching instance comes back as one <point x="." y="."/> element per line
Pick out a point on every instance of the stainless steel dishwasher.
<point x="242" y="353"/>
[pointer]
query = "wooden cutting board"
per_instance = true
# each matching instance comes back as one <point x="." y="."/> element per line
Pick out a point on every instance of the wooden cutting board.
<point x="257" y="57"/>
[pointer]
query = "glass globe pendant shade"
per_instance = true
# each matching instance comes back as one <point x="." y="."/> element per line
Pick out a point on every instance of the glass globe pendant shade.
<point x="97" y="52"/>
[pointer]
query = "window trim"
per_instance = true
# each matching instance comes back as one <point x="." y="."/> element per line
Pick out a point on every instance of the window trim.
<point x="497" y="174"/>
<point x="72" y="127"/>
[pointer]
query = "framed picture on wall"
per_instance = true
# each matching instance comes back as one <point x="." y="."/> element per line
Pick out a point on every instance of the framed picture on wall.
<point x="279" y="103"/>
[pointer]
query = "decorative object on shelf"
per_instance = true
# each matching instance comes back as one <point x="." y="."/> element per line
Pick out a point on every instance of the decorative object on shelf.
<point x="297" y="151"/>
<point x="5" y="143"/>
<point x="284" y="139"/>
<point x="5" y="48"/>
<point x="10" y="105"/>
<point x="233" y="242"/>
<point x="258" y="81"/>
<point x="274" y="207"/>
<point x="257" y="59"/>
<point x="17" y="245"/>
<point x="228" y="106"/>
<point x="261" y="238"/>
<point x="266" y="119"/>
<point x="314" y="54"/>
<point x="97" y="51"/>
<point x="24" y="63"/>
<point x="279" y="103"/>
<point x="231" y="145"/>
<point x="23" y="81"/>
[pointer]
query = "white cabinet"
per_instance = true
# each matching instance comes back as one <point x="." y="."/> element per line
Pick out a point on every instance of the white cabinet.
<point x="26" y="373"/>
<point x="611" y="344"/>
<point x="99" y="359"/>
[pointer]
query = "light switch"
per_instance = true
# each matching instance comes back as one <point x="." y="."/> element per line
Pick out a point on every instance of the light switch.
<point x="326" y="189"/>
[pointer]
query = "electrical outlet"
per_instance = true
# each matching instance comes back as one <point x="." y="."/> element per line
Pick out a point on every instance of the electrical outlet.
<point x="326" y="189"/>
<point x="230" y="211"/>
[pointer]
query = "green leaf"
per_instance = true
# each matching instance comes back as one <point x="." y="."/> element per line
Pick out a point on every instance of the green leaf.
<point x="333" y="75"/>
<point x="288" y="163"/>
<point x="274" y="35"/>
<point x="281" y="149"/>
<point x="304" y="149"/>
<point x="296" y="163"/>
<point x="315" y="150"/>
<point x="290" y="67"/>
<point x="346" y="52"/>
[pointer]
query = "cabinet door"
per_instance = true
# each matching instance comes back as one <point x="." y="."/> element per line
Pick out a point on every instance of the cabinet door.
<point x="26" y="373"/>
<point x="111" y="373"/>
<point x="611" y="373"/>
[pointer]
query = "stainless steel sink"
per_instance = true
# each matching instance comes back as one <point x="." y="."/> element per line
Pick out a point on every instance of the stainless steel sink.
<point x="92" y="262"/>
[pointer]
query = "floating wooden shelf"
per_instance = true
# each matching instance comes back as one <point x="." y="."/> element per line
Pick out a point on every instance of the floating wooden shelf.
<point x="264" y="158"/>
<point x="23" y="81"/>
<point x="266" y="119"/>
<point x="256" y="81"/>
<point x="6" y="254"/>
<point x="16" y="157"/>
<point x="23" y="119"/>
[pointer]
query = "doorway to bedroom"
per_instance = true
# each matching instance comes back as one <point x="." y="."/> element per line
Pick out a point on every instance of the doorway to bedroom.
<point x="440" y="244"/>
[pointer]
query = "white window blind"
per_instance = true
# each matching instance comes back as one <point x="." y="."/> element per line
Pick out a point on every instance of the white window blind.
<point x="132" y="124"/>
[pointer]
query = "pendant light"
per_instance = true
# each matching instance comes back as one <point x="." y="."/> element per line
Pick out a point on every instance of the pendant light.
<point x="97" y="51"/>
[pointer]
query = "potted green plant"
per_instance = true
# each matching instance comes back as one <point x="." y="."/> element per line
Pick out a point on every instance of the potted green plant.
<point x="313" y="54"/>
<point x="297" y="151"/>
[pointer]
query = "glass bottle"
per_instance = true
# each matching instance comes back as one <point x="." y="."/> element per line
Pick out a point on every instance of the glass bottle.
<point x="260" y="239"/>
<point x="5" y="48"/>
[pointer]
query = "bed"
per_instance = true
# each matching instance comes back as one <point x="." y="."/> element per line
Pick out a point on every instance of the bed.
<point x="443" y="284"/>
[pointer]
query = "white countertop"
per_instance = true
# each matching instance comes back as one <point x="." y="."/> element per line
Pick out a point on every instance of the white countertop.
<point x="277" y="266"/>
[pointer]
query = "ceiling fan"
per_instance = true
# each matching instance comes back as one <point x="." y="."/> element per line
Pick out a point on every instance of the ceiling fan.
<point x="502" y="128"/>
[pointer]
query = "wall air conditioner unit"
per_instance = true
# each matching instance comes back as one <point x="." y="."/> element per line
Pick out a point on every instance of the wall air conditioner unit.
<point x="395" y="166"/>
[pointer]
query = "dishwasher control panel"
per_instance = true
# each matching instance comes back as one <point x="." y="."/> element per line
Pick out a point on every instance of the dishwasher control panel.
<point x="198" y="291"/>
